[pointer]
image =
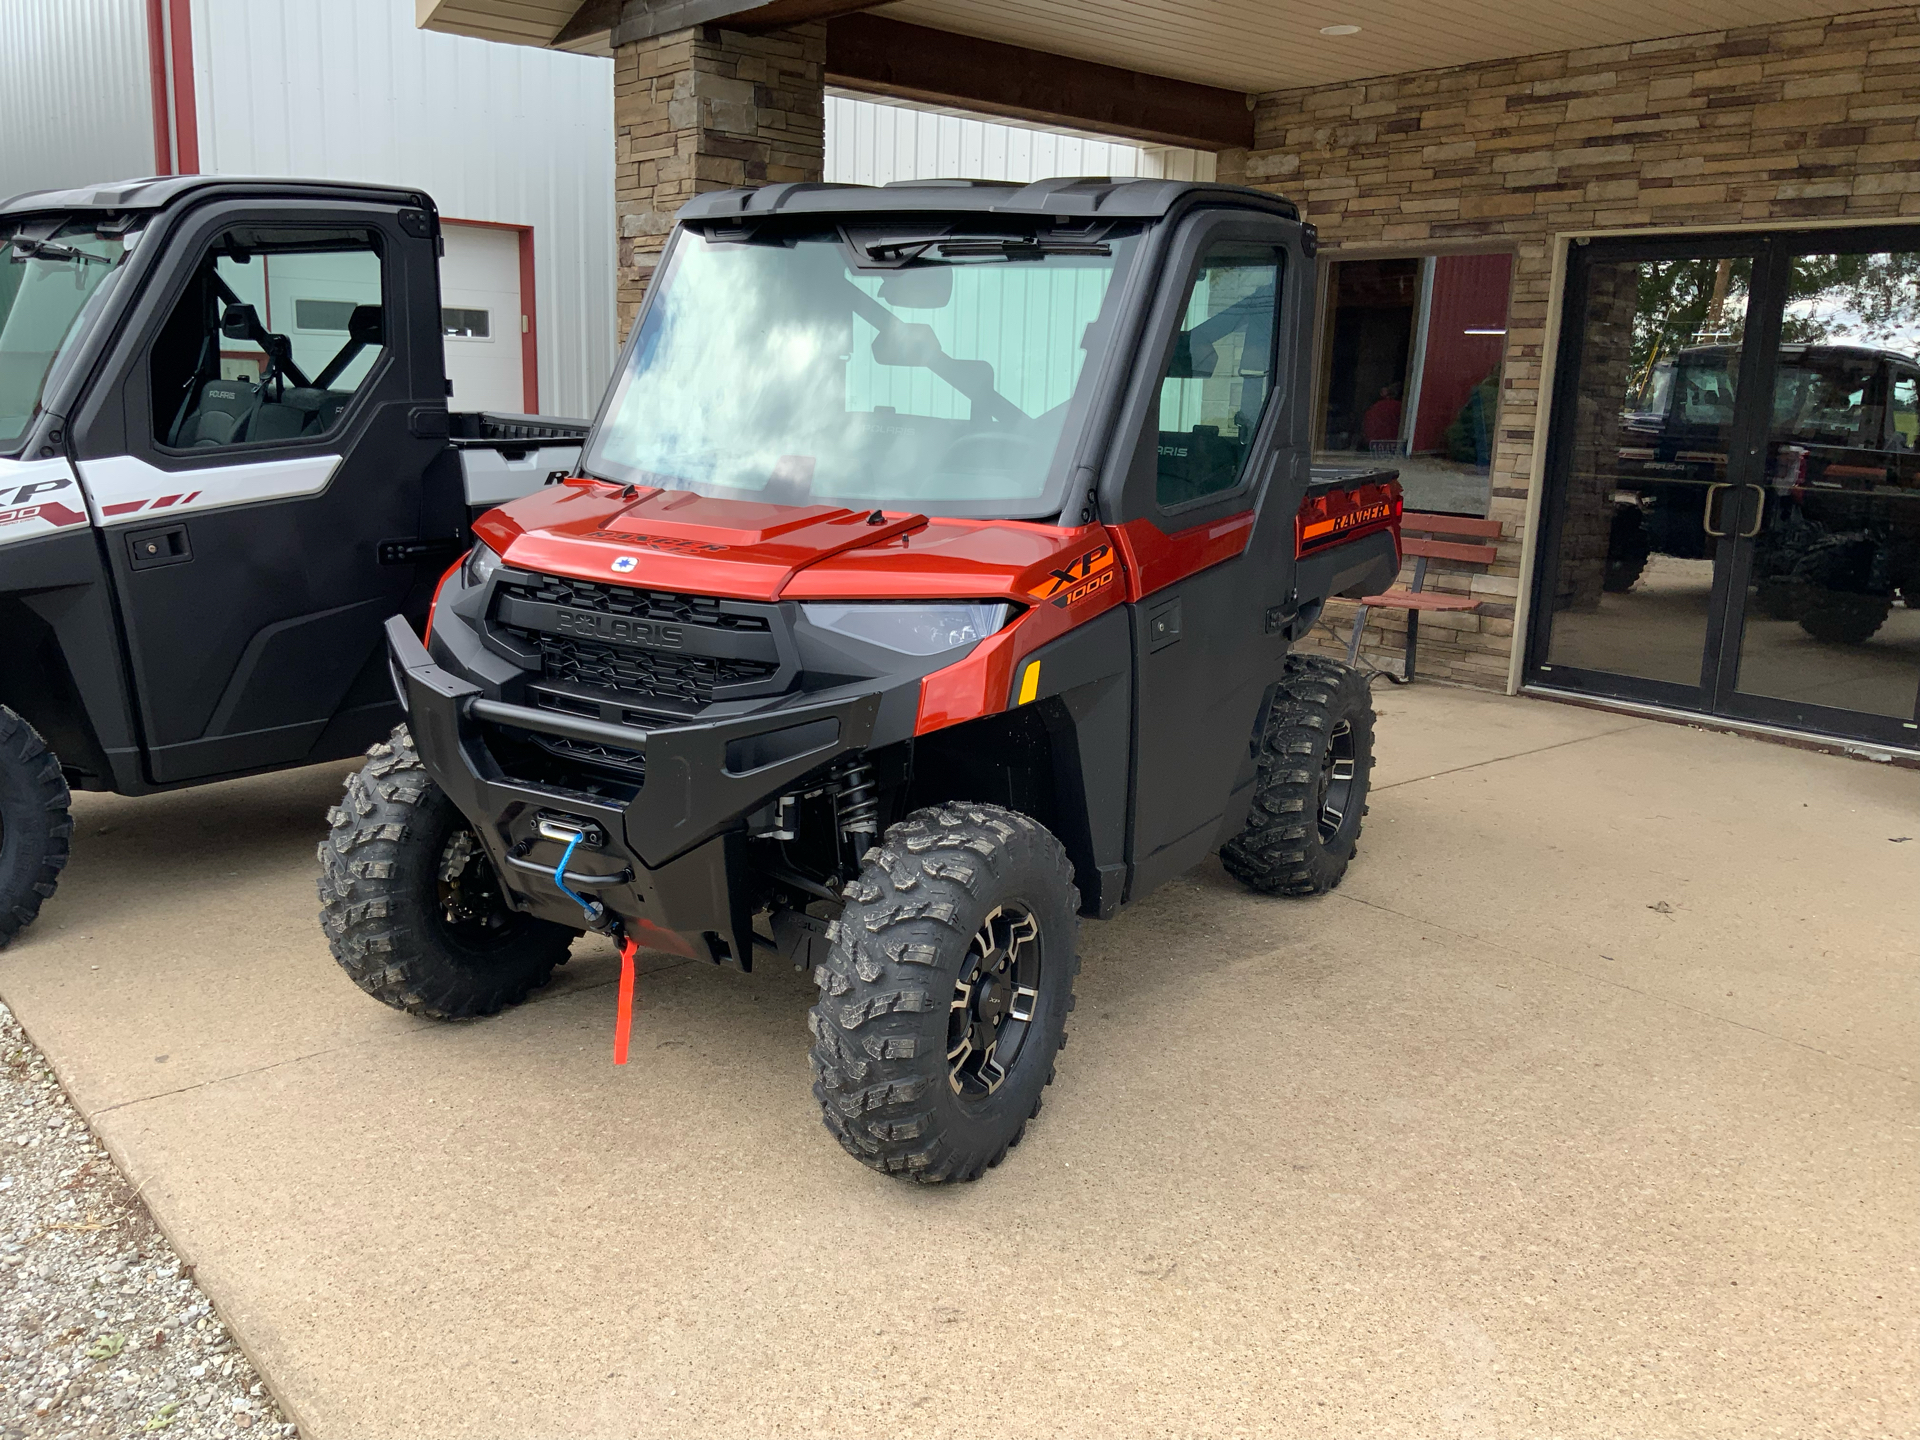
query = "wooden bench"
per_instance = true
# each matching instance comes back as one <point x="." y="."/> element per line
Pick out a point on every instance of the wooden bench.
<point x="1417" y="598"/>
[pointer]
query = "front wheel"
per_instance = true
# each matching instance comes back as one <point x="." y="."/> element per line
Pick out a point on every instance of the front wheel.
<point x="945" y="992"/>
<point x="1310" y="789"/>
<point x="1629" y="547"/>
<point x="410" y="903"/>
<point x="35" y="825"/>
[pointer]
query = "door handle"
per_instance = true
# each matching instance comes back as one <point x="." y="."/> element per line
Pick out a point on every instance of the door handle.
<point x="150" y="549"/>
<point x="1759" y="512"/>
<point x="1163" y="626"/>
<point x="1706" y="515"/>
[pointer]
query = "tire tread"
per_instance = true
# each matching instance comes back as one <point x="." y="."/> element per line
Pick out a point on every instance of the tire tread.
<point x="872" y="1074"/>
<point x="44" y="818"/>
<point x="1280" y="851"/>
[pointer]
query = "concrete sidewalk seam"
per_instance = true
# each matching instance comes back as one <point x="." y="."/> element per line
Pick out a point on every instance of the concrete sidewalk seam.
<point x="222" y="1079"/>
<point x="1517" y="755"/>
<point x="333" y="1050"/>
<point x="1630" y="989"/>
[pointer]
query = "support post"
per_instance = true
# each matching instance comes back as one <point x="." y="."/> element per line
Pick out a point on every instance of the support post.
<point x="705" y="109"/>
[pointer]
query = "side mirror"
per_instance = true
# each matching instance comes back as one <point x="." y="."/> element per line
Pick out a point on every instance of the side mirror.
<point x="239" y="322"/>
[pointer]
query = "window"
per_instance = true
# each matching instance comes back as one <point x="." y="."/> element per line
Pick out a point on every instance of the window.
<point x="53" y="281"/>
<point x="912" y="367"/>
<point x="323" y="315"/>
<point x="276" y="331"/>
<point x="1409" y="373"/>
<point x="1221" y="373"/>
<point x="1906" y="411"/>
<point x="465" y="324"/>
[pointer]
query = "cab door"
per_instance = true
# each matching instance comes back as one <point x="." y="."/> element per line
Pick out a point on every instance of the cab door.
<point x="257" y="473"/>
<point x="1206" y="510"/>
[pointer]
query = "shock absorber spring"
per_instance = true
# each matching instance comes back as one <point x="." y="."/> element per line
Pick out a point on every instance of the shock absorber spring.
<point x="857" y="805"/>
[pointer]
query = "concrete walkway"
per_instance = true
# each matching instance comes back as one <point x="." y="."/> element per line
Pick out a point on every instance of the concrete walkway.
<point x="1585" y="1108"/>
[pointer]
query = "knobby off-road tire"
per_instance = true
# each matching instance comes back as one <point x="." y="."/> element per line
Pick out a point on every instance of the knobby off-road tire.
<point x="35" y="826"/>
<point x="1629" y="547"/>
<point x="1842" y="605"/>
<point x="409" y="901"/>
<point x="1310" y="792"/>
<point x="945" y="992"/>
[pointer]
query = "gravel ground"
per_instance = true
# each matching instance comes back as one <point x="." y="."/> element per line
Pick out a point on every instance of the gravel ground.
<point x="102" y="1330"/>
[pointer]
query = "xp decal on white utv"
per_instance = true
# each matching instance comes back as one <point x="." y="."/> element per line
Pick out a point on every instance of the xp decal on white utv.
<point x="926" y="586"/>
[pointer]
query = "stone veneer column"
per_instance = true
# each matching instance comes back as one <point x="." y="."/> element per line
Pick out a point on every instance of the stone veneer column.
<point x="706" y="109"/>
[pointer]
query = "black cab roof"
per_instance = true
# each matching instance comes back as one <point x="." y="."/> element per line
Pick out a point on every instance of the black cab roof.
<point x="1075" y="197"/>
<point x="157" y="192"/>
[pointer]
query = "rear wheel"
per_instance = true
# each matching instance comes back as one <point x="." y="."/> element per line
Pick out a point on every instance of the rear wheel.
<point x="410" y="903"/>
<point x="35" y="825"/>
<point x="945" y="992"/>
<point x="1842" y="604"/>
<point x="1310" y="791"/>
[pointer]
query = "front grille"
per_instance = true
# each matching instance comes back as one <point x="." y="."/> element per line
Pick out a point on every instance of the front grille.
<point x="633" y="604"/>
<point x="643" y="674"/>
<point x="545" y="611"/>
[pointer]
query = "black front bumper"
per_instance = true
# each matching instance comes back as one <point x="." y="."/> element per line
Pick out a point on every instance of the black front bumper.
<point x="675" y="857"/>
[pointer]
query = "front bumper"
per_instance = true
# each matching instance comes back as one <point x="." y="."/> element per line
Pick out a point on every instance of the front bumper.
<point x="673" y="859"/>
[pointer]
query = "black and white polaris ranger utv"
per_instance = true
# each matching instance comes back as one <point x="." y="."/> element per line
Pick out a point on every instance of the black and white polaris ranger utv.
<point x="226" y="458"/>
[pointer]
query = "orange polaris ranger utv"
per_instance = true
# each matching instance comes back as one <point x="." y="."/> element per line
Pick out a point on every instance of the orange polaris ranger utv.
<point x="927" y="583"/>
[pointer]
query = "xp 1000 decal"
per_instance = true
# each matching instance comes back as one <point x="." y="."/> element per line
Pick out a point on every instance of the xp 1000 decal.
<point x="38" y="497"/>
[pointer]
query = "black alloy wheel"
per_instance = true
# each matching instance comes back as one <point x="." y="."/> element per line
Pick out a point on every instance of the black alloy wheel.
<point x="994" y="1002"/>
<point x="1339" y="767"/>
<point x="945" y="992"/>
<point x="1314" y="765"/>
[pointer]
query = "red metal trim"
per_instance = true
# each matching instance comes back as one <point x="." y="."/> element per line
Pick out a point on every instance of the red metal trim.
<point x="529" y="307"/>
<point x="530" y="337"/>
<point x="433" y="604"/>
<point x="1155" y="559"/>
<point x="186" y="115"/>
<point x="976" y="686"/>
<point x="157" y="86"/>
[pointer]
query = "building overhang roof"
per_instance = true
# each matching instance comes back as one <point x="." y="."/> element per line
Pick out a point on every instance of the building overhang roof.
<point x="1223" y="43"/>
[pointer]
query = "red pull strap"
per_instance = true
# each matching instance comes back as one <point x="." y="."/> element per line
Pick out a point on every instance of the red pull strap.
<point x="623" y="1016"/>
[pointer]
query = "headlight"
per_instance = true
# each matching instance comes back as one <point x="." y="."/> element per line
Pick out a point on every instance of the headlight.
<point x="481" y="563"/>
<point x="910" y="629"/>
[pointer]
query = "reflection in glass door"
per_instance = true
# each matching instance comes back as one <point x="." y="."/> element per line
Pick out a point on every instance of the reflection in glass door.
<point x="1733" y="516"/>
<point x="1831" y="619"/>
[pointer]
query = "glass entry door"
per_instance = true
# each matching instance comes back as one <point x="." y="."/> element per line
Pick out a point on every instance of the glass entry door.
<point x="1733" y="511"/>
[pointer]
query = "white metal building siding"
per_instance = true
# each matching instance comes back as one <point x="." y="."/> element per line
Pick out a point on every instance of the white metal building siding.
<point x="349" y="89"/>
<point x="75" y="103"/>
<point x="871" y="143"/>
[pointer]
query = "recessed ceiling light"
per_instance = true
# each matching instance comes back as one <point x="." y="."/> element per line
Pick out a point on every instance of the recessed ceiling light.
<point x="1339" y="29"/>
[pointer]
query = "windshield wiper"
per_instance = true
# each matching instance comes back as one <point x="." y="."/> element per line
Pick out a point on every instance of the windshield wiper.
<point x="25" y="247"/>
<point x="1013" y="247"/>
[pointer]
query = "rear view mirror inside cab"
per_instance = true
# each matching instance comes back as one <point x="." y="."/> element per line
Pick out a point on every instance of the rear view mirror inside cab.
<point x="918" y="287"/>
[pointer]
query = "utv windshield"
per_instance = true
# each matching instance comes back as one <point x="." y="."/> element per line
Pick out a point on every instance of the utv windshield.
<point x="936" y="370"/>
<point x="53" y="281"/>
<point x="1820" y="396"/>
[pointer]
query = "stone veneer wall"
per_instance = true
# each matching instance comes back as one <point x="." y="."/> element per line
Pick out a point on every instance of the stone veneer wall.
<point x="1805" y="121"/>
<point x="705" y="109"/>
